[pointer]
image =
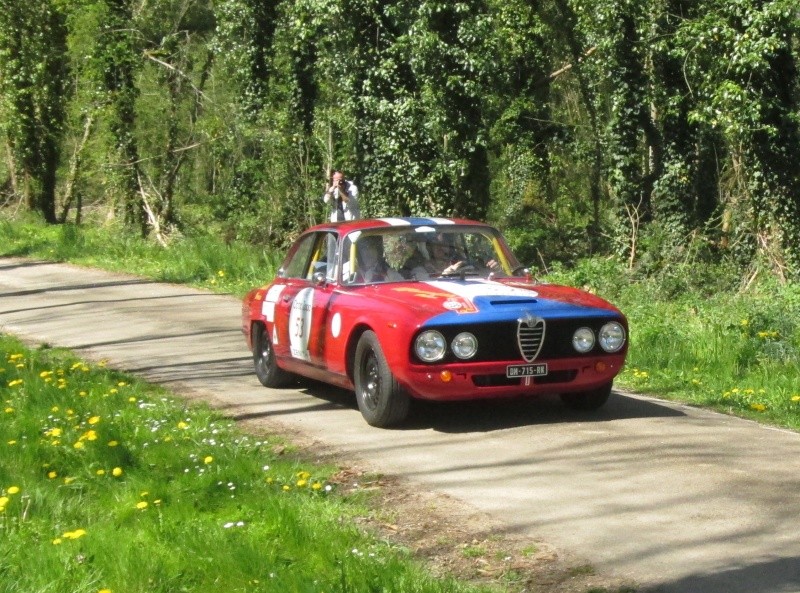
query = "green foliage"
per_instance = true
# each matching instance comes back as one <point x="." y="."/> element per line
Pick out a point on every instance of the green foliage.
<point x="34" y="90"/>
<point x="579" y="127"/>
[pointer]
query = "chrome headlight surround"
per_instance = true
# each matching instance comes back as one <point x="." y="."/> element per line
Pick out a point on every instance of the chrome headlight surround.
<point x="583" y="340"/>
<point x="464" y="345"/>
<point x="430" y="346"/>
<point x="612" y="337"/>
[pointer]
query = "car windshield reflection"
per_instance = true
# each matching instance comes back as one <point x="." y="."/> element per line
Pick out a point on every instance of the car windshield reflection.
<point x="424" y="253"/>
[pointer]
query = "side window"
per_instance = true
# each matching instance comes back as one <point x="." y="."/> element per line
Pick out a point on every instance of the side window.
<point x="297" y="266"/>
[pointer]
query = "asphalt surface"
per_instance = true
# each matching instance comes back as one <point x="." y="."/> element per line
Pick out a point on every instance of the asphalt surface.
<point x="677" y="499"/>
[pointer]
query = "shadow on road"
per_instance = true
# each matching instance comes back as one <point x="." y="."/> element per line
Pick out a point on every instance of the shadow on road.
<point x="487" y="416"/>
<point x="780" y="575"/>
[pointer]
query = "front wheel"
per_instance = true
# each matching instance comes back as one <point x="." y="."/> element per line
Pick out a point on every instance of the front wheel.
<point x="587" y="400"/>
<point x="267" y="369"/>
<point x="380" y="399"/>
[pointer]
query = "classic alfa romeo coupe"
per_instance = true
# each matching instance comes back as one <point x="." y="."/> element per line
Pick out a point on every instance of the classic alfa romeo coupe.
<point x="429" y="308"/>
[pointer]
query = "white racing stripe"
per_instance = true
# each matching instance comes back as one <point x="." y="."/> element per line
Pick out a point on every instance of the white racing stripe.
<point x="471" y="289"/>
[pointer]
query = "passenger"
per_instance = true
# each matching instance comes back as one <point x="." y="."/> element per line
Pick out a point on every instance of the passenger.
<point x="372" y="266"/>
<point x="416" y="265"/>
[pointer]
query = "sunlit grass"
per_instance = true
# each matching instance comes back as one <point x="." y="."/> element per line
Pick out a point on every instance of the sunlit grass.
<point x="736" y="352"/>
<point x="108" y="484"/>
<point x="204" y="262"/>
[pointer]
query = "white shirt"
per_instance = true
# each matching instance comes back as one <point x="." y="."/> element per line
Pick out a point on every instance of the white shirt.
<point x="341" y="210"/>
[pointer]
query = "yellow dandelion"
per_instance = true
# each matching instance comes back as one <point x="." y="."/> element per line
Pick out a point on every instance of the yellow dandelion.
<point x="116" y="472"/>
<point x="57" y="541"/>
<point x="121" y="384"/>
<point x="12" y="442"/>
<point x="796" y="398"/>
<point x="132" y="399"/>
<point x="221" y="273"/>
<point x="15" y="382"/>
<point x="94" y="420"/>
<point x="141" y="505"/>
<point x="301" y="483"/>
<point x="208" y="459"/>
<point x="113" y="443"/>
<point x="4" y="500"/>
<point x="78" y="533"/>
<point x="104" y="591"/>
<point x="13" y="490"/>
<point x="45" y="374"/>
<point x="68" y="480"/>
<point x="100" y="472"/>
<point x="316" y="486"/>
<point x="286" y="488"/>
<point x="182" y="425"/>
<point x="303" y="475"/>
<point x="78" y="445"/>
<point x="9" y="410"/>
<point x="52" y="475"/>
<point x="758" y="407"/>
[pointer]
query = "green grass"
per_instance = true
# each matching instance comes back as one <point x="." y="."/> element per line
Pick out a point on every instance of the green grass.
<point x="735" y="351"/>
<point x="692" y="339"/>
<point x="203" y="262"/>
<point x="108" y="484"/>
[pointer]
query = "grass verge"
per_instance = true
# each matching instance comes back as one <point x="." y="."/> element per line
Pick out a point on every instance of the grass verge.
<point x="108" y="484"/>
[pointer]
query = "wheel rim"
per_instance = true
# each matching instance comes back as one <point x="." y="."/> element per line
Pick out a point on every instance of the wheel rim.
<point x="264" y="352"/>
<point x="370" y="392"/>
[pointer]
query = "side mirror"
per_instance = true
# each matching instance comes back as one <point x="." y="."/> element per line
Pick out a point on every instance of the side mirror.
<point x="319" y="278"/>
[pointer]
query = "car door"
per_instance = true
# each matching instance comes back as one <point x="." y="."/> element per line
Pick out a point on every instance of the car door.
<point x="302" y="309"/>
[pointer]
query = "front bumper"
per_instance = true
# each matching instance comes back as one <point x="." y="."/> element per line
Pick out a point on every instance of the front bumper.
<point x="486" y="380"/>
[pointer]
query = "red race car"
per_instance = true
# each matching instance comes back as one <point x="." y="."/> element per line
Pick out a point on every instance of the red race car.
<point x="428" y="308"/>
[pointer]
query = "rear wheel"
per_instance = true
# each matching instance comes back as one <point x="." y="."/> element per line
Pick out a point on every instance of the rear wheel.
<point x="267" y="369"/>
<point x="587" y="400"/>
<point x="380" y="399"/>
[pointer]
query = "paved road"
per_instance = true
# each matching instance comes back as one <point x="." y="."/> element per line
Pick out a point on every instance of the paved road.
<point x="677" y="499"/>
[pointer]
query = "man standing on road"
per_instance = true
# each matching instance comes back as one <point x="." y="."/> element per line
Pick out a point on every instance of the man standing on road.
<point x="342" y="198"/>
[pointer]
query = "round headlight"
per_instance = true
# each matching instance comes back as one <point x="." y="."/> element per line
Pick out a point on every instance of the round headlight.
<point x="612" y="336"/>
<point x="583" y="340"/>
<point x="430" y="346"/>
<point x="464" y="345"/>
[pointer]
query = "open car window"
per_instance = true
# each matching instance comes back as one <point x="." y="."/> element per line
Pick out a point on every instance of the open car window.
<point x="314" y="254"/>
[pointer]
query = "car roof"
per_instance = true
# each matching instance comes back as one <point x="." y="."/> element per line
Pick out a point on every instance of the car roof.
<point x="375" y="223"/>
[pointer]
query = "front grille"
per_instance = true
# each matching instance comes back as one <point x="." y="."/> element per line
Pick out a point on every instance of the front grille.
<point x="513" y="341"/>
<point x="530" y="337"/>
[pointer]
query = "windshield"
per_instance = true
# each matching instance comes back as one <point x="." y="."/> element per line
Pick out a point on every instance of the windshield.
<point x="422" y="253"/>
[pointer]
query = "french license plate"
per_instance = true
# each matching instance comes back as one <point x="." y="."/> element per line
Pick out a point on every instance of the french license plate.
<point x="526" y="370"/>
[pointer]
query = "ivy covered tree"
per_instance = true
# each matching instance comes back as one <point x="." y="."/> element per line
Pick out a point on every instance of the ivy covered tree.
<point x="34" y="91"/>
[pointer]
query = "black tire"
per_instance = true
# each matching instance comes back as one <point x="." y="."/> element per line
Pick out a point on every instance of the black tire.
<point x="380" y="399"/>
<point x="587" y="400"/>
<point x="267" y="369"/>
